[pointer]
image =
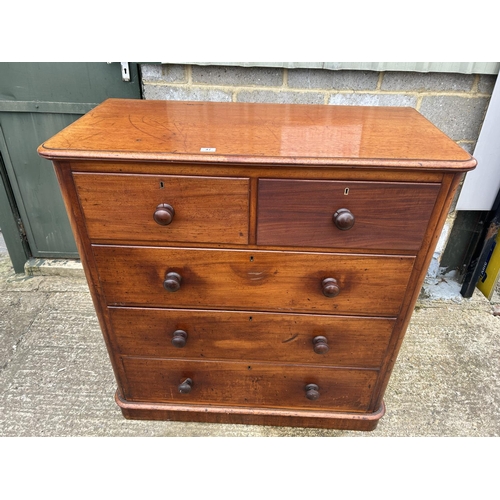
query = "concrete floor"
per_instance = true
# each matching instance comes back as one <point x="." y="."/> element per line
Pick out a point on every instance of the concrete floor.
<point x="56" y="380"/>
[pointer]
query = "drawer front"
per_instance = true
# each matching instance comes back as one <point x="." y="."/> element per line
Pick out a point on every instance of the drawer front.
<point x="206" y="209"/>
<point x="293" y="338"/>
<point x="390" y="215"/>
<point x="258" y="280"/>
<point x="247" y="384"/>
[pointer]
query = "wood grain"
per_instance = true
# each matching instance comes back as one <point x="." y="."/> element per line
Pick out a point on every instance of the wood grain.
<point x="249" y="243"/>
<point x="352" y="341"/>
<point x="300" y="213"/>
<point x="262" y="170"/>
<point x="433" y="233"/>
<point x="253" y="280"/>
<point x="207" y="209"/>
<point x="251" y="133"/>
<point x="323" y="419"/>
<point x="247" y="384"/>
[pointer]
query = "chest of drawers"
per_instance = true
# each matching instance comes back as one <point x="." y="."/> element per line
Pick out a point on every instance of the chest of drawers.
<point x="255" y="263"/>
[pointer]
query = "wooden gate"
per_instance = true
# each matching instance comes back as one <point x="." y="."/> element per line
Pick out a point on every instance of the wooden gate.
<point x="37" y="100"/>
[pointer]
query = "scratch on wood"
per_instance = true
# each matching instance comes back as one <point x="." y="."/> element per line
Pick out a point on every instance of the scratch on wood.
<point x="290" y="339"/>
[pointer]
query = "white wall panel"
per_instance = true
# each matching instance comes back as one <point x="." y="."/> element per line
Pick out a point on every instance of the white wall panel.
<point x="482" y="184"/>
<point x="488" y="68"/>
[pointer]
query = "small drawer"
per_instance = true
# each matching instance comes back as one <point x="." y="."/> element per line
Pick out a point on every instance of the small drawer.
<point x="164" y="209"/>
<point x="344" y="214"/>
<point x="187" y="278"/>
<point x="247" y="384"/>
<point x="293" y="338"/>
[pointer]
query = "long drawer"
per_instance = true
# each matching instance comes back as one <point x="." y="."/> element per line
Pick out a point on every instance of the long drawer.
<point x="247" y="384"/>
<point x="123" y="207"/>
<point x="292" y="338"/>
<point x="253" y="280"/>
<point x="344" y="214"/>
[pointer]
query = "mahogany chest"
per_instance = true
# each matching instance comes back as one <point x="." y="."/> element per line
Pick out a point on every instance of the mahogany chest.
<point x="255" y="263"/>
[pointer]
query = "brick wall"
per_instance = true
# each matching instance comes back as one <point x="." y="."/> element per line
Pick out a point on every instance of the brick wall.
<point x="456" y="103"/>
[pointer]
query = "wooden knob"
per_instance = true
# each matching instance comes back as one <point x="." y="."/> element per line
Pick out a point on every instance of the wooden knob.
<point x="320" y="345"/>
<point x="186" y="386"/>
<point x="164" y="214"/>
<point x="312" y="392"/>
<point x="179" y="338"/>
<point x="343" y="219"/>
<point x="330" y="287"/>
<point x="172" y="282"/>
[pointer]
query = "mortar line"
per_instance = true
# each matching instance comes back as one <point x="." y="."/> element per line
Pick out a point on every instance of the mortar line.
<point x="379" y="81"/>
<point x="238" y="88"/>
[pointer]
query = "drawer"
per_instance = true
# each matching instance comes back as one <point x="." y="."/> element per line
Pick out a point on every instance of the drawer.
<point x="205" y="209"/>
<point x="247" y="384"/>
<point x="390" y="215"/>
<point x="293" y="338"/>
<point x="253" y="280"/>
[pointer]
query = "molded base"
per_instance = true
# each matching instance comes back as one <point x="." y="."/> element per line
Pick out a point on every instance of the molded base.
<point x="250" y="416"/>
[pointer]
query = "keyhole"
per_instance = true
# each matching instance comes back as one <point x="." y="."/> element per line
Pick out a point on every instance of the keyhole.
<point x="251" y="258"/>
<point x="162" y="185"/>
<point x="346" y="191"/>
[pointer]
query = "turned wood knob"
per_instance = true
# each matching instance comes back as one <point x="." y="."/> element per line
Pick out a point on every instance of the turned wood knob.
<point x="172" y="282"/>
<point x="179" y="338"/>
<point x="312" y="392"/>
<point x="186" y="386"/>
<point x="320" y="344"/>
<point x="330" y="287"/>
<point x="343" y="219"/>
<point x="164" y="214"/>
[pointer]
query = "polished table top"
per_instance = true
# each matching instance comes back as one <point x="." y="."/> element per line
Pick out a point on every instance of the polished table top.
<point x="250" y="133"/>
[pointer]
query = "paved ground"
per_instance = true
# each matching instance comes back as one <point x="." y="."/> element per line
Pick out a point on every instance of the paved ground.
<point x="55" y="378"/>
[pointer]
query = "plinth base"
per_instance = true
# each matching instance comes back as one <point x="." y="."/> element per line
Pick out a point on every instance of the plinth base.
<point x="250" y="416"/>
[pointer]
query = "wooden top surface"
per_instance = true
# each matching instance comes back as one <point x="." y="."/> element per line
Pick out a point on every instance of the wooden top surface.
<point x="321" y="135"/>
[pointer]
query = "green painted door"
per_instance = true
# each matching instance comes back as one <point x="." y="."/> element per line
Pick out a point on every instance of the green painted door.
<point x="37" y="100"/>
